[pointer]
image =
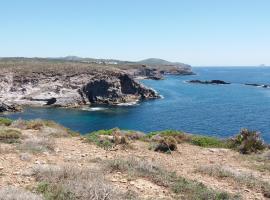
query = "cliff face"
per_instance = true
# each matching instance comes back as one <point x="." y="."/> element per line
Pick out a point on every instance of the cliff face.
<point x="58" y="89"/>
<point x="115" y="89"/>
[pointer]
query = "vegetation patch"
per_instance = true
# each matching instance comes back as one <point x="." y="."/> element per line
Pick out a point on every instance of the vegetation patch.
<point x="182" y="188"/>
<point x="72" y="183"/>
<point x="5" y="121"/>
<point x="108" y="139"/>
<point x="9" y="135"/>
<point x="178" y="135"/>
<point x="14" y="193"/>
<point x="46" y="127"/>
<point x="246" y="179"/>
<point x="37" y="145"/>
<point x="209" y="142"/>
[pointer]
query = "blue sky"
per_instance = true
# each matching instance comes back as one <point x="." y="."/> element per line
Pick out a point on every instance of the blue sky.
<point x="198" y="32"/>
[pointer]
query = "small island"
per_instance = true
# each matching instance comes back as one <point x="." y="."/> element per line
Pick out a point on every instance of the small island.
<point x="213" y="82"/>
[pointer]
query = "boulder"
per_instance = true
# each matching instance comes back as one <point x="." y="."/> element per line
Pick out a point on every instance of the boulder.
<point x="9" y="107"/>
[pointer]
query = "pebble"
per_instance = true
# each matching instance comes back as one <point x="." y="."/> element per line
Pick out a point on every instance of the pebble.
<point x="16" y="173"/>
<point x="123" y="181"/>
<point x="1" y="168"/>
<point x="132" y="183"/>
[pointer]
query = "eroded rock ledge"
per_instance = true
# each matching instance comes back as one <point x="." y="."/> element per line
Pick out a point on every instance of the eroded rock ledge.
<point x="71" y="89"/>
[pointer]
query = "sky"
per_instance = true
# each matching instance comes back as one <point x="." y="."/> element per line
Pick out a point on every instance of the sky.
<point x="197" y="32"/>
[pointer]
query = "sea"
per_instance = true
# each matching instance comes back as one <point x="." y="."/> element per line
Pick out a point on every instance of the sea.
<point x="214" y="110"/>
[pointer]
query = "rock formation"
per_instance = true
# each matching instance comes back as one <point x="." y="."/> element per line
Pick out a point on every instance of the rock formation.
<point x="216" y="82"/>
<point x="60" y="89"/>
<point x="9" y="108"/>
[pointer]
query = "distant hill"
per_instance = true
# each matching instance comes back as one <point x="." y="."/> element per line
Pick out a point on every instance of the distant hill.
<point x="149" y="61"/>
<point x="152" y="62"/>
<point x="157" y="61"/>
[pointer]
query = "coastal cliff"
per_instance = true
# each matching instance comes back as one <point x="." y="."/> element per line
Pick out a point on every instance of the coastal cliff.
<point x="72" y="83"/>
<point x="40" y="89"/>
<point x="66" y="82"/>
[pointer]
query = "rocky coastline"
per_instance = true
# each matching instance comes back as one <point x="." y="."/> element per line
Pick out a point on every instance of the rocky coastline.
<point x="35" y="82"/>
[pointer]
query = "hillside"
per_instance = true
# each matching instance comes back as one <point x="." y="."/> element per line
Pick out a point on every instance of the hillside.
<point x="43" y="160"/>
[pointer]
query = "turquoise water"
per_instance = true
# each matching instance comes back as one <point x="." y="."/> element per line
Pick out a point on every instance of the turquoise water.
<point x="220" y="110"/>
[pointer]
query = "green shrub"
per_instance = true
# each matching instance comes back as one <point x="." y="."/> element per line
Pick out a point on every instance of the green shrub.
<point x="206" y="141"/>
<point x="247" y="142"/>
<point x="9" y="135"/>
<point x="5" y="121"/>
<point x="108" y="138"/>
<point x="94" y="137"/>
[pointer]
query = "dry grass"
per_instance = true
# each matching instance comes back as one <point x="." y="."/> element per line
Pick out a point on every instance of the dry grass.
<point x="46" y="128"/>
<point x="9" y="135"/>
<point x="181" y="187"/>
<point x="14" y="193"/>
<point x="37" y="145"/>
<point x="260" y="162"/>
<point x="70" y="182"/>
<point x="246" y="179"/>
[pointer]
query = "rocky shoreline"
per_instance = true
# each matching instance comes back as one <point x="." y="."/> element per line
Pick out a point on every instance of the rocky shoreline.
<point x="34" y="82"/>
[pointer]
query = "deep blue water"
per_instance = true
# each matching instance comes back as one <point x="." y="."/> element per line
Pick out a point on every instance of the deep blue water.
<point x="220" y="110"/>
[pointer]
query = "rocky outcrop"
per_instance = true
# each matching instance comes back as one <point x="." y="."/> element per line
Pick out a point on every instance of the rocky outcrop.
<point x="72" y="90"/>
<point x="9" y="108"/>
<point x="115" y="90"/>
<point x="258" y="85"/>
<point x="158" y="72"/>
<point x="215" y="82"/>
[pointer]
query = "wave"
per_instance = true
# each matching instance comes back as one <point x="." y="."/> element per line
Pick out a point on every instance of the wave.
<point x="94" y="108"/>
<point x="133" y="103"/>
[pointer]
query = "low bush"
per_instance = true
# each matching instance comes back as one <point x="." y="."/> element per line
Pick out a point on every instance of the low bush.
<point x="166" y="144"/>
<point x="100" y="138"/>
<point x="178" y="135"/>
<point x="108" y="138"/>
<point x="9" y="135"/>
<point x="5" y="121"/>
<point x="247" y="142"/>
<point x="133" y="135"/>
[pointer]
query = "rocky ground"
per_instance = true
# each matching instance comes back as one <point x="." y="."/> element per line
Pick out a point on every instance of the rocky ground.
<point x="44" y="162"/>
